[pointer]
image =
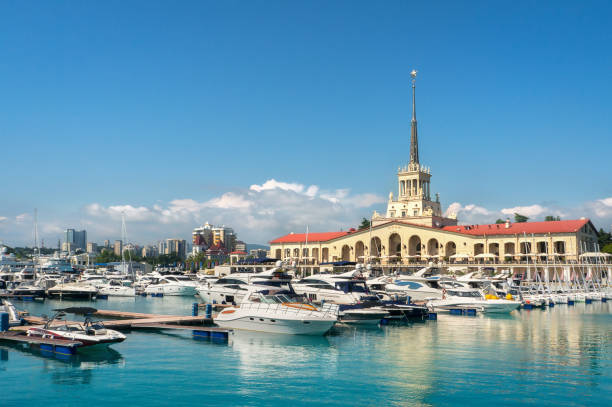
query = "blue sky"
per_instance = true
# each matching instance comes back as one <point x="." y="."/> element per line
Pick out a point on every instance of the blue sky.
<point x="171" y="111"/>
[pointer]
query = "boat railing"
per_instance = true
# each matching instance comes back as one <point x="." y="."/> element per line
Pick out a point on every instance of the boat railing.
<point x="292" y="308"/>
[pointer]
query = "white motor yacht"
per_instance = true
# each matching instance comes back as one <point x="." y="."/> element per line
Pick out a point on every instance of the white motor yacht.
<point x="112" y="288"/>
<point x="471" y="298"/>
<point x="28" y="290"/>
<point x="232" y="288"/>
<point x="277" y="312"/>
<point x="72" y="291"/>
<point x="416" y="286"/>
<point x="116" y="289"/>
<point x="342" y="288"/>
<point x="356" y="304"/>
<point x="177" y="285"/>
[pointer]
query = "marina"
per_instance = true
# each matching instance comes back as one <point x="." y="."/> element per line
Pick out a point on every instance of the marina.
<point x="328" y="203"/>
<point x="417" y="362"/>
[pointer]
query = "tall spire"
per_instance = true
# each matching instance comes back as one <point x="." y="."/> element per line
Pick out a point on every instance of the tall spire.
<point x="414" y="140"/>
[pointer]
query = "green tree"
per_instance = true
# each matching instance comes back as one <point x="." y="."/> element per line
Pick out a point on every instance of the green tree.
<point x="500" y="221"/>
<point x="549" y="218"/>
<point x="193" y="262"/>
<point x="518" y="218"/>
<point x="107" y="256"/>
<point x="603" y="238"/>
<point x="607" y="248"/>
<point x="365" y="224"/>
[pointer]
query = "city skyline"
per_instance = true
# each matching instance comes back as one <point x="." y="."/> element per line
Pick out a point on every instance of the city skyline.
<point x="272" y="117"/>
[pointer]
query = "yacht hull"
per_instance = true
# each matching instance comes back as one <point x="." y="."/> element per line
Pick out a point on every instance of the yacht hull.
<point x="171" y="290"/>
<point x="118" y="291"/>
<point x="486" y="306"/>
<point x="277" y="326"/>
<point x="72" y="295"/>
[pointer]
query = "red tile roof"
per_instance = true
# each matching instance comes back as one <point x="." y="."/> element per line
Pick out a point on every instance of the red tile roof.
<point x="312" y="237"/>
<point x="238" y="252"/>
<point x="560" y="226"/>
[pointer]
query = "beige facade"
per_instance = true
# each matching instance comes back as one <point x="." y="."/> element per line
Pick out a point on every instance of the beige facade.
<point x="401" y="242"/>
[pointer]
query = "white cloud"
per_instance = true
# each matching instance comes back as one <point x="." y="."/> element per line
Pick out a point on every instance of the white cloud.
<point x="531" y="211"/>
<point x="470" y="213"/>
<point x="272" y="184"/>
<point x="229" y="200"/>
<point x="365" y="200"/>
<point x="260" y="214"/>
<point x="601" y="208"/>
<point x="22" y="217"/>
<point x="116" y="211"/>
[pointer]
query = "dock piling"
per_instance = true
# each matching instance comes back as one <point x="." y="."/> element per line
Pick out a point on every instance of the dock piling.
<point x="4" y="321"/>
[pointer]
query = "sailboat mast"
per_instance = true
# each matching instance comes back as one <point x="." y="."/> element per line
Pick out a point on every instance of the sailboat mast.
<point x="37" y="258"/>
<point x="306" y="243"/>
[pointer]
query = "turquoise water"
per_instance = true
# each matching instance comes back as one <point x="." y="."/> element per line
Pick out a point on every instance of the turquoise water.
<point x="561" y="356"/>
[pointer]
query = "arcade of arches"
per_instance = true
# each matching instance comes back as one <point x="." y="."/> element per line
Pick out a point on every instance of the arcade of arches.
<point x="398" y="242"/>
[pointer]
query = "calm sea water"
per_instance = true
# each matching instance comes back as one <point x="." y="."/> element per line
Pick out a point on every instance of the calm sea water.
<point x="561" y="356"/>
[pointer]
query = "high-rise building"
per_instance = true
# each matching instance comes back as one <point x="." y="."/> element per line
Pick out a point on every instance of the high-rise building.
<point x="107" y="244"/>
<point x="207" y="236"/>
<point x="240" y="246"/>
<point x="149" y="251"/>
<point x="76" y="238"/>
<point x="203" y="236"/>
<point x="224" y="236"/>
<point x="118" y="247"/>
<point x="92" y="247"/>
<point x="177" y="246"/>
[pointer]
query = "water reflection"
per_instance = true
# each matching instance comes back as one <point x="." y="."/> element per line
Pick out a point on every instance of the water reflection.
<point x="278" y="354"/>
<point x="557" y="356"/>
<point x="70" y="369"/>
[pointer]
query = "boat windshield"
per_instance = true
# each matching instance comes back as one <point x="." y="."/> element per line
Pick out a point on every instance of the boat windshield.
<point x="352" y="286"/>
<point x="273" y="283"/>
<point x="69" y="328"/>
<point x="472" y="294"/>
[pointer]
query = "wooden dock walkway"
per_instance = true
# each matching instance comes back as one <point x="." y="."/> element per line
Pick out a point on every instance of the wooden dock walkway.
<point x="125" y="314"/>
<point x="120" y="324"/>
<point x="59" y="346"/>
<point x="200" y="325"/>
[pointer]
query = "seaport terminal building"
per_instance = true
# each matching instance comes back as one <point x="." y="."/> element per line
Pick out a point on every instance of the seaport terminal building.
<point x="414" y="230"/>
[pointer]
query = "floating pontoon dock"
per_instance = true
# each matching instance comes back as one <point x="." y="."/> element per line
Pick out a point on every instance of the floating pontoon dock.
<point x="199" y="325"/>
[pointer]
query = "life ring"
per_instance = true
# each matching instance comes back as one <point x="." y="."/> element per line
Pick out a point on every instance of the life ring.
<point x="299" y="306"/>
